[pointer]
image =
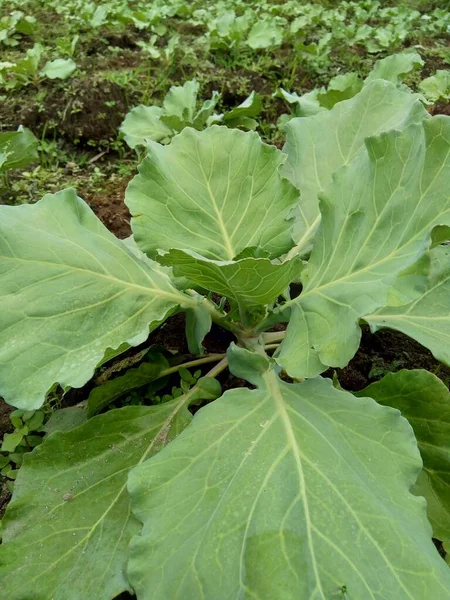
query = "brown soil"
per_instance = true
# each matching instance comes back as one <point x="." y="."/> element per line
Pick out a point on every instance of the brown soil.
<point x="441" y="108"/>
<point x="5" y="423"/>
<point x="80" y="111"/>
<point x="5" y="427"/>
<point x="383" y="352"/>
<point x="5" y="497"/>
<point x="111" y="209"/>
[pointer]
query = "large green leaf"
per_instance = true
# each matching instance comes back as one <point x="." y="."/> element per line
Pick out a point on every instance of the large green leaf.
<point x="69" y="290"/>
<point x="180" y="101"/>
<point x="67" y="530"/>
<point x="214" y="192"/>
<point x="250" y="107"/>
<point x="377" y="218"/>
<point x="249" y="281"/>
<point x="242" y="115"/>
<point x="59" y="69"/>
<point x="113" y="389"/>
<point x="427" y="317"/>
<point x="305" y="105"/>
<point x="265" y="34"/>
<point x="437" y="86"/>
<point x="340" y="88"/>
<point x="17" y="149"/>
<point x="290" y="491"/>
<point x="394" y="68"/>
<point x="143" y="123"/>
<point x="318" y="145"/>
<point x="425" y="401"/>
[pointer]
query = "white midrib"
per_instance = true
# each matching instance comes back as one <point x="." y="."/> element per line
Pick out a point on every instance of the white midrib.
<point x="305" y="239"/>
<point x="176" y="295"/>
<point x="273" y="386"/>
<point x="226" y="238"/>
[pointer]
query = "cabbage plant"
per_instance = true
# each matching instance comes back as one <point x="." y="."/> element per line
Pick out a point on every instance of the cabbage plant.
<point x="144" y="124"/>
<point x="17" y="150"/>
<point x="288" y="487"/>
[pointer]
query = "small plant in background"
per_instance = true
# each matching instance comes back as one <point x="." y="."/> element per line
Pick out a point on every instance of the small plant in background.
<point x="26" y="70"/>
<point x="436" y="87"/>
<point x="179" y="110"/>
<point x="17" y="149"/>
<point x="28" y="425"/>
<point x="14" y="25"/>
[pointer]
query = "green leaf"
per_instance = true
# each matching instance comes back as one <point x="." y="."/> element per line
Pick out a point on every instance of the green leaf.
<point x="36" y="421"/>
<point x="69" y="289"/>
<point x="242" y="123"/>
<point x="66" y="533"/>
<point x="214" y="192"/>
<point x="249" y="282"/>
<point x="180" y="101"/>
<point x="265" y="34"/>
<point x="318" y="145"/>
<point x="4" y="460"/>
<point x="30" y="64"/>
<point x="174" y="123"/>
<point x="424" y="400"/>
<point x="288" y="491"/>
<point x="341" y="87"/>
<point x="16" y="418"/>
<point x="393" y="68"/>
<point x="427" y="317"/>
<point x="206" y="110"/>
<point x="113" y="389"/>
<point x="111" y="353"/>
<point x="65" y="419"/>
<point x="143" y="123"/>
<point x="306" y="105"/>
<point x="437" y="86"/>
<point x="251" y="107"/>
<point x="11" y="441"/>
<point x="26" y="25"/>
<point x="198" y="325"/>
<point x="410" y="283"/>
<point x="250" y="366"/>
<point x="377" y="218"/>
<point x="440" y="235"/>
<point x="17" y="149"/>
<point x="59" y="69"/>
<point x="100" y="15"/>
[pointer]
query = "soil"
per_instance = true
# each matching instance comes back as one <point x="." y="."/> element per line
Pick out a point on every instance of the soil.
<point x="383" y="352"/>
<point x="111" y="209"/>
<point x="5" y="427"/>
<point x="441" y="108"/>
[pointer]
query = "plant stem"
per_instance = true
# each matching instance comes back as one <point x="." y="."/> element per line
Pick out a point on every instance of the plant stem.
<point x="221" y="366"/>
<point x="208" y="359"/>
<point x="194" y="363"/>
<point x="271" y="347"/>
<point x="216" y="315"/>
<point x="275" y="336"/>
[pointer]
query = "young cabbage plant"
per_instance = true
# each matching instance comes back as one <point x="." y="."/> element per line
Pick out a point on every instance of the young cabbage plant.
<point x="289" y="487"/>
<point x="144" y="124"/>
<point x="26" y="70"/>
<point x="342" y="87"/>
<point x="17" y="150"/>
